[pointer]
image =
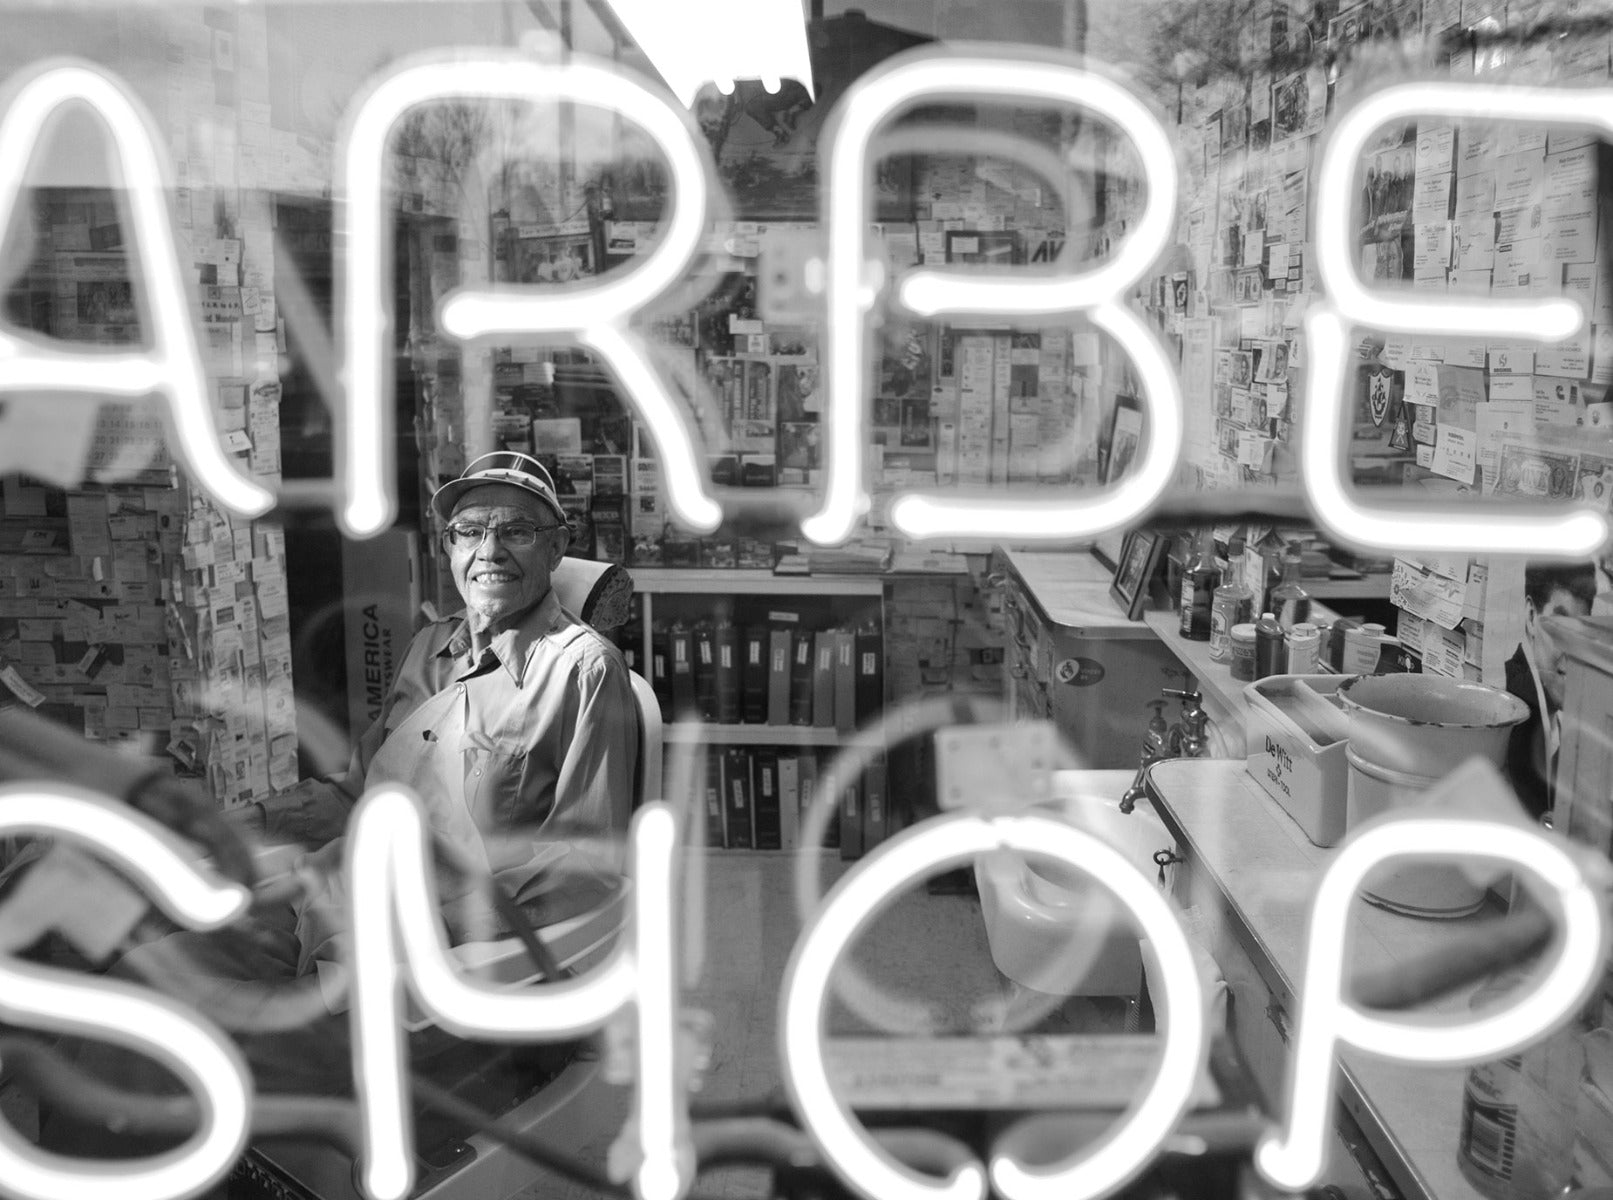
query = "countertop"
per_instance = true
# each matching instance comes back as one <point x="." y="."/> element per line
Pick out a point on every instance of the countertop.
<point x="1264" y="870"/>
<point x="1071" y="590"/>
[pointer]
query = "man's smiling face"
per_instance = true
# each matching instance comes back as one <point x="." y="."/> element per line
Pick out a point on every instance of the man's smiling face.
<point x="500" y="583"/>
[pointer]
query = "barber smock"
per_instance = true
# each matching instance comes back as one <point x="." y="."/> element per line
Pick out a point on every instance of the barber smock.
<point x="524" y="759"/>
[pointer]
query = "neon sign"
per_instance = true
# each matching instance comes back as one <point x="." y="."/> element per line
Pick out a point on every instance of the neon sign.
<point x="396" y="938"/>
<point x="597" y="313"/>
<point x="66" y="1002"/>
<point x="397" y="943"/>
<point x="853" y="285"/>
<point x="1499" y="528"/>
<point x="172" y="369"/>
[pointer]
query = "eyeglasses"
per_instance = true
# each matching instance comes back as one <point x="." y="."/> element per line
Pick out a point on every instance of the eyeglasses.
<point x="517" y="535"/>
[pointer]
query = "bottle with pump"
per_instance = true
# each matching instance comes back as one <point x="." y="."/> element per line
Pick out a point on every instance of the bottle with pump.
<point x="1289" y="599"/>
<point x="1200" y="578"/>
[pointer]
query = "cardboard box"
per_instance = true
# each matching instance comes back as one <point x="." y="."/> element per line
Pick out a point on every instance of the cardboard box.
<point x="1295" y="744"/>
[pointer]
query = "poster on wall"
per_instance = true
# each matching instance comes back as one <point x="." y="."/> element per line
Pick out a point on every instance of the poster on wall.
<point x="551" y="259"/>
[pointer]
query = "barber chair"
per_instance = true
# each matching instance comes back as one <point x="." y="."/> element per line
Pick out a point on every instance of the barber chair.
<point x="566" y="1106"/>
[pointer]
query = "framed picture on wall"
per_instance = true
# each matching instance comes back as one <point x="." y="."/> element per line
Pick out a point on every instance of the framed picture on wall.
<point x="551" y="259"/>
<point x="1124" y="437"/>
<point x="1139" y="557"/>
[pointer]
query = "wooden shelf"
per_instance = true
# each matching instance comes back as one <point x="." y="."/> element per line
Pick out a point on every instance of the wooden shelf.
<point x="663" y="581"/>
<point x="699" y="733"/>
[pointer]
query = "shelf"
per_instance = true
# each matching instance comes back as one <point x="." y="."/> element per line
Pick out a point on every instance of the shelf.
<point x="1368" y="587"/>
<point x="1257" y="867"/>
<point x="661" y="581"/>
<point x="685" y="733"/>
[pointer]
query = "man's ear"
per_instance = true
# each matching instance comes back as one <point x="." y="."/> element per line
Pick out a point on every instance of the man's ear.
<point x="559" y="546"/>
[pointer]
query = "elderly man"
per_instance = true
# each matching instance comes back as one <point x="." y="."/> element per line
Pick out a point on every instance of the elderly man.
<point x="515" y="724"/>
<point x="513" y="720"/>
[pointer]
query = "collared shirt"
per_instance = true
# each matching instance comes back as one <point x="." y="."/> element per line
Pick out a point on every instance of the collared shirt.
<point x="1551" y="726"/>
<point x="525" y="759"/>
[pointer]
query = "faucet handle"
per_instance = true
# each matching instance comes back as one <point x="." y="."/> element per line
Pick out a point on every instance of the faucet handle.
<point x="1186" y="695"/>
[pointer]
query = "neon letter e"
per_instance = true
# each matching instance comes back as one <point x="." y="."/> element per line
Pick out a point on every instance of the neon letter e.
<point x="1454" y="526"/>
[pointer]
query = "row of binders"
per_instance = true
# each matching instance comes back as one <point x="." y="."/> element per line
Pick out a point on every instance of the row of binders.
<point x="780" y="673"/>
<point x="757" y="798"/>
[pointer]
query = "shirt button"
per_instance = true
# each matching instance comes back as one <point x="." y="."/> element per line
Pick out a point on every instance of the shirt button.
<point x="478" y="770"/>
<point x="460" y="688"/>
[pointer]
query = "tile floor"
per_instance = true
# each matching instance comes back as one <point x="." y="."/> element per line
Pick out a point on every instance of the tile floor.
<point x="929" y="949"/>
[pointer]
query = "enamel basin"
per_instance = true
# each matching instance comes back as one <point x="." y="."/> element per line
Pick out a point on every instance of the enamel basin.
<point x="1051" y="927"/>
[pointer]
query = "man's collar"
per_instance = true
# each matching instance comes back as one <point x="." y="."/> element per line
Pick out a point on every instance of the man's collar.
<point x="513" y="645"/>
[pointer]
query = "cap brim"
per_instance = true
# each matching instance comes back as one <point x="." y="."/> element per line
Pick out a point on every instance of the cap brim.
<point x="448" y="495"/>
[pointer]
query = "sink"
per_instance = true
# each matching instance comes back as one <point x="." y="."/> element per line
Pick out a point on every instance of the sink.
<point x="1052" y="928"/>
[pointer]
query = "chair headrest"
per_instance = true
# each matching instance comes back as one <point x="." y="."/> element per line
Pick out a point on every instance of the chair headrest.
<point x="598" y="594"/>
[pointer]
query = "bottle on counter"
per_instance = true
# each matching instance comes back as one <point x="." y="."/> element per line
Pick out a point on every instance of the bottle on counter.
<point x="1304" y="648"/>
<point x="1289" y="599"/>
<point x="1263" y="568"/>
<point x="1519" y="1113"/>
<point x="1233" y="604"/>
<point x="1242" y="638"/>
<point x="1336" y="641"/>
<point x="1200" y="578"/>
<point x="1270" y="651"/>
<point x="1362" y="646"/>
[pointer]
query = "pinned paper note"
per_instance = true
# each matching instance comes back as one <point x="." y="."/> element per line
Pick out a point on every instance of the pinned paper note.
<point x="1427" y="595"/>
<point x="1455" y="453"/>
<point x="47" y="436"/>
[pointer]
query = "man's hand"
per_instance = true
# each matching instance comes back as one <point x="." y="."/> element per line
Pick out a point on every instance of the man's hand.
<point x="180" y="805"/>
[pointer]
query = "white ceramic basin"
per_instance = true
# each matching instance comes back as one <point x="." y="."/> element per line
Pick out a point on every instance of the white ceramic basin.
<point x="1052" y="928"/>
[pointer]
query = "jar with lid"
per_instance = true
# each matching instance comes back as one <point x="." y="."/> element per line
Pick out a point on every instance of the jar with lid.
<point x="1361" y="649"/>
<point x="1242" y="638"/>
<point x="1304" y="649"/>
<point x="1518" y="1113"/>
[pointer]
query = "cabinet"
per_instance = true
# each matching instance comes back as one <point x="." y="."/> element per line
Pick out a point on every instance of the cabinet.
<point x="1070" y="656"/>
<point x="1252" y="869"/>
<point x="760" y="768"/>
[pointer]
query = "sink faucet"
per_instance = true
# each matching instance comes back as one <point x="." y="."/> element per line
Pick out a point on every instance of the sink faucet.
<point x="1185" y="739"/>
